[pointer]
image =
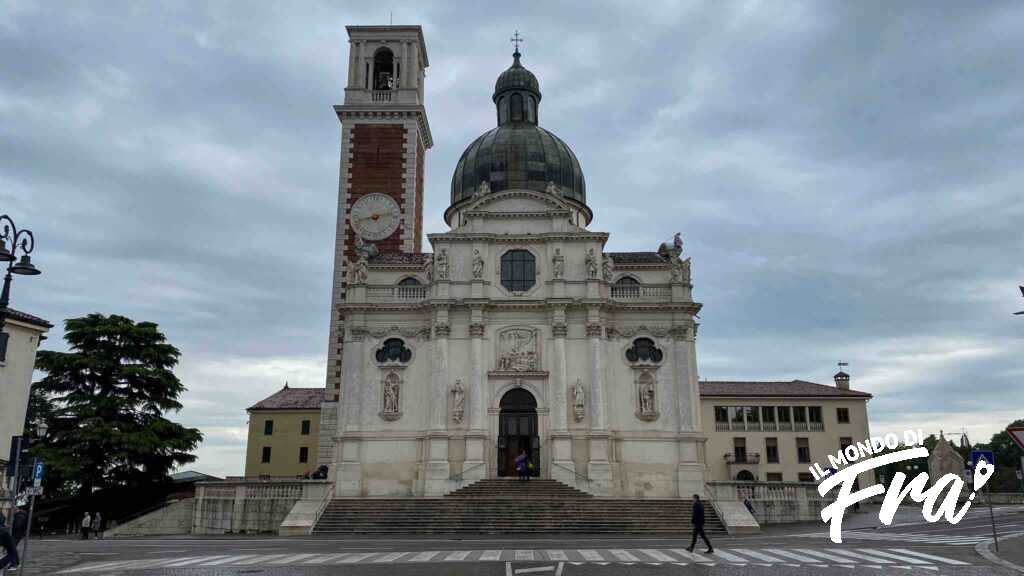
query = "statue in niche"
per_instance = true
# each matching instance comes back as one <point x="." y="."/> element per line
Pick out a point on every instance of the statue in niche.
<point x="441" y="264"/>
<point x="558" y="264"/>
<point x="428" y="269"/>
<point x="392" y="395"/>
<point x="607" y="268"/>
<point x="517" y="350"/>
<point x="646" y="391"/>
<point x="578" y="401"/>
<point x="478" y="264"/>
<point x="591" y="263"/>
<point x="458" y="401"/>
<point x="360" y="270"/>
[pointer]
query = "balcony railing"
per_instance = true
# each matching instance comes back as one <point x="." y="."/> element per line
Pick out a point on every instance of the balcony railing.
<point x="743" y="459"/>
<point x="381" y="96"/>
<point x="396" y="293"/>
<point x="640" y="292"/>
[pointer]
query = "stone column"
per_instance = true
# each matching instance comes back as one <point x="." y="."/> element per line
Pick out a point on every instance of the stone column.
<point x="599" y="468"/>
<point x="690" y="471"/>
<point x="350" y="469"/>
<point x="438" y="469"/>
<point x="564" y="469"/>
<point x="474" y="468"/>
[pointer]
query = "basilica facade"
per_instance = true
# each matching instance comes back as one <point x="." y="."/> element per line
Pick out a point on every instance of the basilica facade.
<point x="517" y="331"/>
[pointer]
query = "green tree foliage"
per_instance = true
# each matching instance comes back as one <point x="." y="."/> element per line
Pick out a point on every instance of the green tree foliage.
<point x="104" y="402"/>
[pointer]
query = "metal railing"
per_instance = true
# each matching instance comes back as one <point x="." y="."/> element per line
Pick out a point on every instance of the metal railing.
<point x="458" y="479"/>
<point x="579" y="476"/>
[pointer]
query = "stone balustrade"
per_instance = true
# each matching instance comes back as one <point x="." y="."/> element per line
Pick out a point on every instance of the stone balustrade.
<point x="250" y="506"/>
<point x="774" y="502"/>
<point x="651" y="292"/>
<point x="396" y="293"/>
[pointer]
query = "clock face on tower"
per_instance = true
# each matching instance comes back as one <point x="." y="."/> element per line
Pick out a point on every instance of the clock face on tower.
<point x="375" y="216"/>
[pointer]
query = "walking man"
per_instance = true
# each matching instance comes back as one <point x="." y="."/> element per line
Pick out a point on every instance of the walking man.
<point x="10" y="550"/>
<point x="86" y="524"/>
<point x="697" y="519"/>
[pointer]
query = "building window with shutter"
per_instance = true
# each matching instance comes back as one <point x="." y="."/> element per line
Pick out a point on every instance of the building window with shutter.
<point x="843" y="415"/>
<point x="771" y="450"/>
<point x="803" y="451"/>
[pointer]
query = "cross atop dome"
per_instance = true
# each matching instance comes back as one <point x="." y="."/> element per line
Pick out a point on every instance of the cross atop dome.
<point x="515" y="40"/>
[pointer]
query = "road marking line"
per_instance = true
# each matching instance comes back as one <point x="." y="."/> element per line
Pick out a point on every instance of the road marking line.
<point x="325" y="558"/>
<point x="591" y="555"/>
<point x="533" y="570"/>
<point x="391" y="557"/>
<point x="458" y="555"/>
<point x="424" y="556"/>
<point x="257" y="559"/>
<point x="658" y="555"/>
<point x="860" y="554"/>
<point x="930" y="557"/>
<point x="798" y="557"/>
<point x="491" y="555"/>
<point x="757" y="555"/>
<point x="903" y="559"/>
<point x="192" y="561"/>
<point x="557" y="555"/>
<point x="825" y="555"/>
<point x="357" y="558"/>
<point x="227" y="560"/>
<point x="725" y="555"/>
<point x="524" y="555"/>
<point x="624" y="556"/>
<point x="690" y="555"/>
<point x="291" y="558"/>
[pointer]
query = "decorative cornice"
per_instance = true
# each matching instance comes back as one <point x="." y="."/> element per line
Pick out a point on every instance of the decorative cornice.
<point x="594" y="330"/>
<point x="642" y="329"/>
<point x="357" y="111"/>
<point x="559" y="330"/>
<point x="442" y="330"/>
<point x="476" y="330"/>
<point x="420" y="332"/>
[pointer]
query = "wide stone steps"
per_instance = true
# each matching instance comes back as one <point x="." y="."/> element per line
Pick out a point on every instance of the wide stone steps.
<point x="498" y="506"/>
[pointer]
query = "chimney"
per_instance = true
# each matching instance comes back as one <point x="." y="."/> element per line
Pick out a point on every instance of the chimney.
<point x="842" y="380"/>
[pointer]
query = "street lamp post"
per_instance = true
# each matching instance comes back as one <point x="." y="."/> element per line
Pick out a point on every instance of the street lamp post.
<point x="23" y="241"/>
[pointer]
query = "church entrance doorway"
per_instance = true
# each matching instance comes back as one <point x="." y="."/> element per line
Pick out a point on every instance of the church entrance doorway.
<point x="517" y="423"/>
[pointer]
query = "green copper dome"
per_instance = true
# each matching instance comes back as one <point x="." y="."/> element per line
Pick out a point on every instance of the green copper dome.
<point x="518" y="154"/>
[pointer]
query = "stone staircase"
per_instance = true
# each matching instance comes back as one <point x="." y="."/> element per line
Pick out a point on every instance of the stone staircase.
<point x="507" y="506"/>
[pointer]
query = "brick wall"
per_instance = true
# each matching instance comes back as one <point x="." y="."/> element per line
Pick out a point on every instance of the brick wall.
<point x="376" y="167"/>
<point x="418" y="228"/>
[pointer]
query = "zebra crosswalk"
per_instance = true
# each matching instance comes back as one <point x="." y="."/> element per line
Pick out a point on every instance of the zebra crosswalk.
<point x="884" y="536"/>
<point x="880" y="558"/>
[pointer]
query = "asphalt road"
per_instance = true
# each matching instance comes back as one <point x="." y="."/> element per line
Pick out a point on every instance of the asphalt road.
<point x="909" y="546"/>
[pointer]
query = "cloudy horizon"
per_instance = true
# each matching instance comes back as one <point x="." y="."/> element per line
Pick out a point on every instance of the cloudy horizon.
<point x="845" y="176"/>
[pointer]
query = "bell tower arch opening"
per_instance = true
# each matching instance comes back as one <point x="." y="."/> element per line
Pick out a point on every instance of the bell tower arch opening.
<point x="518" y="431"/>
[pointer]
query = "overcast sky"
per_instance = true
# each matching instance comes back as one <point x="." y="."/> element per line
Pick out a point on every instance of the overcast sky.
<point x="847" y="178"/>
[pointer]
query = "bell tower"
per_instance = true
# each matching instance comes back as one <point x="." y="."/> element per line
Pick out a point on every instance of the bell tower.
<point x="384" y="139"/>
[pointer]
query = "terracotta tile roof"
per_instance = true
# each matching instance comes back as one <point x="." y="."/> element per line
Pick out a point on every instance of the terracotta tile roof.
<point x="401" y="259"/>
<point x="27" y="318"/>
<point x="292" y="399"/>
<point x="794" y="388"/>
<point x="636" y="257"/>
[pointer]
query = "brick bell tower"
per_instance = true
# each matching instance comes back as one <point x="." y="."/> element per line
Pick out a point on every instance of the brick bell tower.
<point x="384" y="139"/>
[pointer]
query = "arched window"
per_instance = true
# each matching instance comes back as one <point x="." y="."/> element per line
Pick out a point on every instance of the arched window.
<point x="517" y="107"/>
<point x="518" y="270"/>
<point x="531" y="109"/>
<point x="383" y="70"/>
<point x="410" y="281"/>
<point x="503" y="110"/>
<point x="644" y="350"/>
<point x="393" y="350"/>
<point x="745" y="476"/>
<point x="627" y="281"/>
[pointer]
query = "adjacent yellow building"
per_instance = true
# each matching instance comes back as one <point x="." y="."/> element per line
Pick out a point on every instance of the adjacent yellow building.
<point x="774" y="431"/>
<point x="284" y="432"/>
